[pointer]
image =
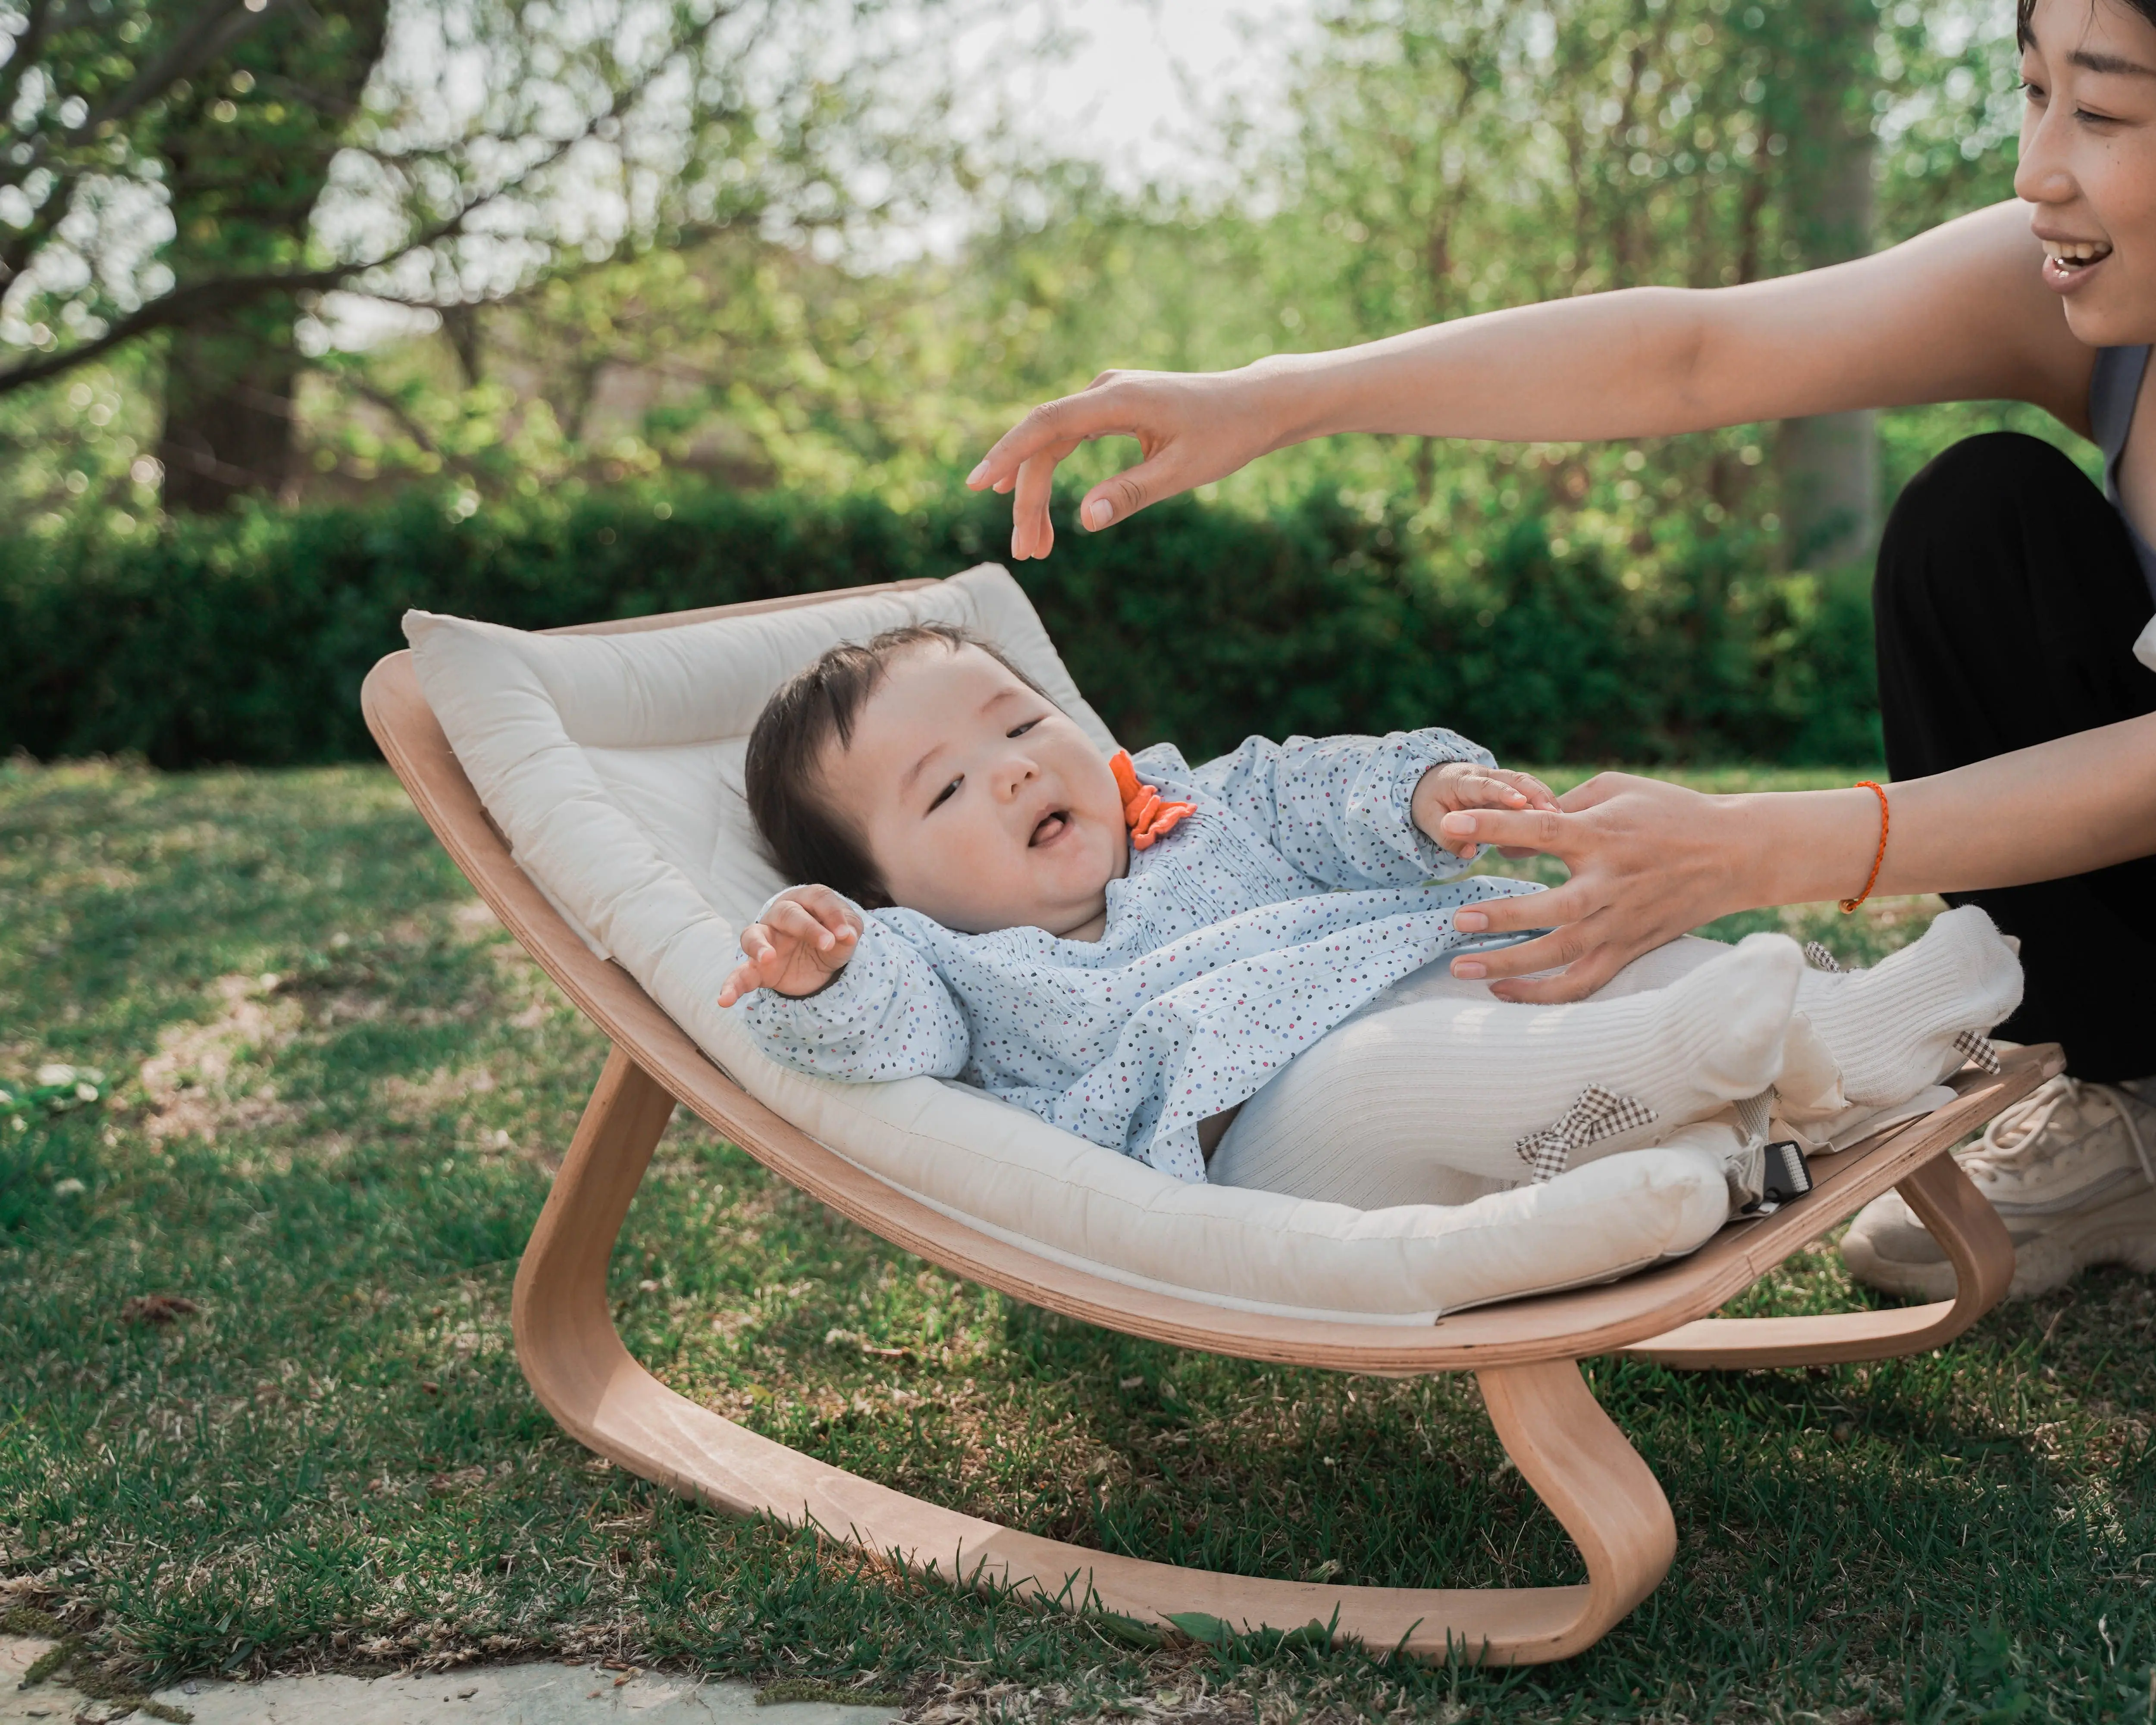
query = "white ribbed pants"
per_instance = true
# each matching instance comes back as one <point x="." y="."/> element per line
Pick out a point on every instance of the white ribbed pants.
<point x="1422" y="1097"/>
<point x="1349" y="1119"/>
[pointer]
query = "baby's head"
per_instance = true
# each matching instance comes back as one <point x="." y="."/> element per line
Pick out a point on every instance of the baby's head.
<point x="925" y="770"/>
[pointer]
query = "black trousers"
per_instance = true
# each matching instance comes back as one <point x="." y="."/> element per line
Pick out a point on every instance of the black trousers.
<point x="2007" y="601"/>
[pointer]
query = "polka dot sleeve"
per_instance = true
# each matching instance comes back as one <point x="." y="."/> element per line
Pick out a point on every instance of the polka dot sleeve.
<point x="1339" y="808"/>
<point x="887" y="1014"/>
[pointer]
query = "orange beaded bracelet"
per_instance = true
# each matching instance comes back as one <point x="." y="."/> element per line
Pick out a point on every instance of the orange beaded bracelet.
<point x="1872" y="879"/>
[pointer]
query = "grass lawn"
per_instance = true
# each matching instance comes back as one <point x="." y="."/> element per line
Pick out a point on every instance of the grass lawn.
<point x="336" y="1090"/>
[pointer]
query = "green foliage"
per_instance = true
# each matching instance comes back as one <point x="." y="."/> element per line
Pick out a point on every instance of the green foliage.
<point x="245" y="638"/>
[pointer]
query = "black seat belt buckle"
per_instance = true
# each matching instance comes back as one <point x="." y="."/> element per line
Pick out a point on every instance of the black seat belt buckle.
<point x="1784" y="1178"/>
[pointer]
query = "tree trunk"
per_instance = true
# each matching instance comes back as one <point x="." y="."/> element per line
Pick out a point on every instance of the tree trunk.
<point x="1829" y="463"/>
<point x="229" y="392"/>
<point x="247" y="152"/>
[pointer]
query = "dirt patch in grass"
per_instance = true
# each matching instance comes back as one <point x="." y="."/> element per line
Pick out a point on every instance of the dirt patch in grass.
<point x="188" y="1085"/>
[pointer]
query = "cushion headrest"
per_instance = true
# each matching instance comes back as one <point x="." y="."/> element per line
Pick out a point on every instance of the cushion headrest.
<point x="661" y="717"/>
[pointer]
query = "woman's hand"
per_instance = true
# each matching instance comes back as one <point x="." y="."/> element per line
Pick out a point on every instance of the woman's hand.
<point x="1191" y="426"/>
<point x="798" y="945"/>
<point x="1649" y="861"/>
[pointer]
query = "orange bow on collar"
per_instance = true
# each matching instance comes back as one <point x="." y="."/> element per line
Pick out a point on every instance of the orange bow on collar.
<point x="1146" y="812"/>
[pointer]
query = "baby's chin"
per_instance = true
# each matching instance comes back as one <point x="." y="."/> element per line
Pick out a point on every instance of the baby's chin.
<point x="1055" y="892"/>
<point x="1068" y="905"/>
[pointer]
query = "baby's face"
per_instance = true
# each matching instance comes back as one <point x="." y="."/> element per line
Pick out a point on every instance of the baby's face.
<point x="983" y="805"/>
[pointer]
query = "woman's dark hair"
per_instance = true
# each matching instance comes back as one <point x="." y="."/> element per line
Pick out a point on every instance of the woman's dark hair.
<point x="2024" y="10"/>
<point x="806" y="838"/>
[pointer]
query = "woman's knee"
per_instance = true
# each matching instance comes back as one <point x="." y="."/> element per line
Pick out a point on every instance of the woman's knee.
<point x="1973" y="508"/>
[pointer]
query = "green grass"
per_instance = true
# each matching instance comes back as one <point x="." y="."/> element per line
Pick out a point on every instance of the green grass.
<point x="337" y="1091"/>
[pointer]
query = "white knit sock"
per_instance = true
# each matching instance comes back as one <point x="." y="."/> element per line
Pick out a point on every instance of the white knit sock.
<point x="1892" y="1029"/>
<point x="1395" y="1105"/>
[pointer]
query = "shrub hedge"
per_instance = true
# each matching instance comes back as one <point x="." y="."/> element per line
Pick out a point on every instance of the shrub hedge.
<point x="244" y="637"/>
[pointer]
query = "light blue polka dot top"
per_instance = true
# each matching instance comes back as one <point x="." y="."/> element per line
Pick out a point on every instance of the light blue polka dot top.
<point x="1298" y="890"/>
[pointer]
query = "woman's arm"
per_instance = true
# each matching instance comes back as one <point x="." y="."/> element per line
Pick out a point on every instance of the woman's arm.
<point x="1959" y="313"/>
<point x="1650" y="860"/>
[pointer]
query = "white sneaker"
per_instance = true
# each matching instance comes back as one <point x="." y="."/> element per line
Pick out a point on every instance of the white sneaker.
<point x="2072" y="1170"/>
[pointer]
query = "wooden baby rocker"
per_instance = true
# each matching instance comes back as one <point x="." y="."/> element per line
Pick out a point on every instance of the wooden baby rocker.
<point x="1525" y="1353"/>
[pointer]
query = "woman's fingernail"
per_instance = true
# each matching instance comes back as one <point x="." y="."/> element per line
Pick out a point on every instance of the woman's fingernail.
<point x="1098" y="513"/>
<point x="1470" y="921"/>
<point x="1460" y="824"/>
<point x="974" y="477"/>
<point x="1468" y="971"/>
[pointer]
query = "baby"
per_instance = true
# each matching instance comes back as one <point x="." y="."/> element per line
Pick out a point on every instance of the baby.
<point x="1248" y="957"/>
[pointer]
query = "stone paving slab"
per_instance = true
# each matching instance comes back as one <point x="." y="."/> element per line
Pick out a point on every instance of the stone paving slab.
<point x="482" y="1695"/>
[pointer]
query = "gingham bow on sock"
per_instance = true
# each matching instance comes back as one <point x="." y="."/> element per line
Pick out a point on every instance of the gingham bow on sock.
<point x="1819" y="958"/>
<point x="1595" y="1114"/>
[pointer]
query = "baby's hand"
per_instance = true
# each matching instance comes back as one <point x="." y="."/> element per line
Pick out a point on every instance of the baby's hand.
<point x="1461" y="784"/>
<point x="799" y="944"/>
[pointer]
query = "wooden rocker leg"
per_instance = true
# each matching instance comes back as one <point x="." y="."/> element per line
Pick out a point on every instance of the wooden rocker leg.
<point x="1564" y="1444"/>
<point x="1968" y="1229"/>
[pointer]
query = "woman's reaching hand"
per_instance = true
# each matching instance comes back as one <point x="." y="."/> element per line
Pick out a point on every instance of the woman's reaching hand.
<point x="1191" y="428"/>
<point x="1649" y="861"/>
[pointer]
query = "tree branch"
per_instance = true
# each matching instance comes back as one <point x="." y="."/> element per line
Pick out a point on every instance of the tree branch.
<point x="182" y="306"/>
<point x="204" y="299"/>
<point x="210" y="32"/>
<point x="28" y="47"/>
<point x="216" y="28"/>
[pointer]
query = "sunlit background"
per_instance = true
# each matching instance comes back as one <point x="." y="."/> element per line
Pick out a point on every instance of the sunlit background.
<point x="496" y="265"/>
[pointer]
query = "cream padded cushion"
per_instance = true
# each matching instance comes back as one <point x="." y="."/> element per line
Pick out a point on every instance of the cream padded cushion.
<point x="613" y="764"/>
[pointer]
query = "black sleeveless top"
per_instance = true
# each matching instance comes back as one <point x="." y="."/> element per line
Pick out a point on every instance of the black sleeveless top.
<point x="2114" y="387"/>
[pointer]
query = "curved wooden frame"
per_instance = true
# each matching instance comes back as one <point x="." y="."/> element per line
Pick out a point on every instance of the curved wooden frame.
<point x="1525" y="1353"/>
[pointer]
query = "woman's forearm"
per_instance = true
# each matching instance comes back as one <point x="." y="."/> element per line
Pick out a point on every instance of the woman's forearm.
<point x="2064" y="807"/>
<point x="1956" y="313"/>
<point x="1611" y="365"/>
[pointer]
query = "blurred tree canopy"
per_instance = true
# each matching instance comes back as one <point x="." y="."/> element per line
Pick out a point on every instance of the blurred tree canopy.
<point x="204" y="170"/>
<point x="649" y="239"/>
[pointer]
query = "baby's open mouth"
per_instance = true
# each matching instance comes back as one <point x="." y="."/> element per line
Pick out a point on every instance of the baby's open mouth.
<point x="1050" y="828"/>
<point x="2072" y="255"/>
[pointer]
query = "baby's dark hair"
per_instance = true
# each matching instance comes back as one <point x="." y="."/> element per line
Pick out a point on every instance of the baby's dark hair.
<point x="806" y="838"/>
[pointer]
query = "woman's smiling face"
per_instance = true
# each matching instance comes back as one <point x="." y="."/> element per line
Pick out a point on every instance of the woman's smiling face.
<point x="983" y="803"/>
<point x="2088" y="163"/>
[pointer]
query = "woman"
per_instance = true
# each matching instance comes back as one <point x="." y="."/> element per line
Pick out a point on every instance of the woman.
<point x="2011" y="599"/>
